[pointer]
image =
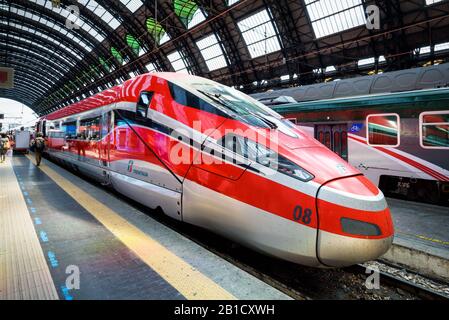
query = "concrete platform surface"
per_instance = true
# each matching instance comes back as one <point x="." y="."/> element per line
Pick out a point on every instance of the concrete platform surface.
<point x="421" y="240"/>
<point x="117" y="252"/>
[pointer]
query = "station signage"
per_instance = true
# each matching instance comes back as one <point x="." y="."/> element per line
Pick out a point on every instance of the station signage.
<point x="6" y="78"/>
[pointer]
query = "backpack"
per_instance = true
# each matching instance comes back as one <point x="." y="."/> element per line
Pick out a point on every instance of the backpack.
<point x="40" y="145"/>
<point x="3" y="144"/>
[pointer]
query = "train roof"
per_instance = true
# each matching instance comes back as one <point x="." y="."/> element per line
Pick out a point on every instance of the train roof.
<point x="396" y="81"/>
<point x="438" y="96"/>
<point x="128" y="91"/>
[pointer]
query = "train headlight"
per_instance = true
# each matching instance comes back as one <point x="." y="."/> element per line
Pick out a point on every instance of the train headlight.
<point x="359" y="228"/>
<point x="285" y="166"/>
<point x="262" y="155"/>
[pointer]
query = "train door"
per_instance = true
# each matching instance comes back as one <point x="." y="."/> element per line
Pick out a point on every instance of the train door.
<point x="105" y="142"/>
<point x="334" y="137"/>
<point x="139" y="155"/>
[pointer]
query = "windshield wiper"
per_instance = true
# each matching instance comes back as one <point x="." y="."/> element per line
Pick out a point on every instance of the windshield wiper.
<point x="270" y="123"/>
<point x="227" y="104"/>
<point x="217" y="99"/>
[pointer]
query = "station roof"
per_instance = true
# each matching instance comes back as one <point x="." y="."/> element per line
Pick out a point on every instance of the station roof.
<point x="66" y="50"/>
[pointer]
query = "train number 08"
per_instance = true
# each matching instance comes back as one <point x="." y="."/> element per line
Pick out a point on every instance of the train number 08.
<point x="305" y="216"/>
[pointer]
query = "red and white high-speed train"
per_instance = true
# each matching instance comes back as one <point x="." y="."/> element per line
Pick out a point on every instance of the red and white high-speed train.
<point x="211" y="156"/>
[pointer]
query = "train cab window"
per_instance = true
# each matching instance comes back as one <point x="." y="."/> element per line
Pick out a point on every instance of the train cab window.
<point x="383" y="130"/>
<point x="89" y="129"/>
<point x="144" y="104"/>
<point x="434" y="130"/>
<point x="187" y="98"/>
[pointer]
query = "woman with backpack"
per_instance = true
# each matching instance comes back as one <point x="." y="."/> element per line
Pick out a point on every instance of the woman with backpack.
<point x="4" y="147"/>
<point x="38" y="146"/>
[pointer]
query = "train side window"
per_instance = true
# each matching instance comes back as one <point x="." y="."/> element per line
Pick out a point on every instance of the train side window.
<point x="434" y="130"/>
<point x="89" y="129"/>
<point x="337" y="143"/>
<point x="383" y="130"/>
<point x="69" y="129"/>
<point x="144" y="104"/>
<point x="321" y="137"/>
<point x="344" y="145"/>
<point x="327" y="140"/>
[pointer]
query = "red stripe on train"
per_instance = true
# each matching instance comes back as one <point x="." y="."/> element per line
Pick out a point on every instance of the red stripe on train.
<point x="411" y="162"/>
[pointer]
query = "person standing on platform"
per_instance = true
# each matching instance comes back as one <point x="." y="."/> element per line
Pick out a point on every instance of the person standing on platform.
<point x="38" y="145"/>
<point x="4" y="147"/>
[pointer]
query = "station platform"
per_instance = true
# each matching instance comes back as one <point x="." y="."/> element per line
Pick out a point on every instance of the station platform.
<point x="421" y="241"/>
<point x="56" y="229"/>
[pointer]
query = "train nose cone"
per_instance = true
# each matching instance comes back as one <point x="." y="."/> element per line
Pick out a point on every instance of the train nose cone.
<point x="355" y="224"/>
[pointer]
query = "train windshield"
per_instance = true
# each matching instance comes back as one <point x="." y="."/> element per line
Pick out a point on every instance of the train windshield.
<point x="234" y="100"/>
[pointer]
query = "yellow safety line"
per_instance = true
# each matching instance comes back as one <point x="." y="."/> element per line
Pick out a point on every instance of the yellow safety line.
<point x="422" y="237"/>
<point x="191" y="283"/>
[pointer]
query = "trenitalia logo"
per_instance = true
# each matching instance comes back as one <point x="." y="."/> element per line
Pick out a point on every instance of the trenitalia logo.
<point x="130" y="166"/>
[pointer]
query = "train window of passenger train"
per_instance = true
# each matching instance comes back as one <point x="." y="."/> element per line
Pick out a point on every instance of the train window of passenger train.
<point x="337" y="143"/>
<point x="89" y="129"/>
<point x="327" y="139"/>
<point x="143" y="104"/>
<point x="321" y="137"/>
<point x="69" y="129"/>
<point x="344" y="145"/>
<point x="383" y="130"/>
<point x="434" y="130"/>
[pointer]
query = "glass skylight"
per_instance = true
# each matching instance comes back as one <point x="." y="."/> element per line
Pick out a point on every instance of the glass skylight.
<point x="45" y="58"/>
<point x="66" y="14"/>
<point x="259" y="34"/>
<point x="101" y="12"/>
<point x="231" y="2"/>
<point x="330" y="16"/>
<point x="151" y="67"/>
<point x="177" y="62"/>
<point x="76" y="55"/>
<point x="212" y="52"/>
<point x="430" y="2"/>
<point x="64" y="31"/>
<point x="132" y="5"/>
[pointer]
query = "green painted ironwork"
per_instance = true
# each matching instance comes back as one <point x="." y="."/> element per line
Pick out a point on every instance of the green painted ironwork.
<point x="117" y="55"/>
<point x="105" y="65"/>
<point x="155" y="29"/>
<point x="133" y="44"/>
<point x="185" y="10"/>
